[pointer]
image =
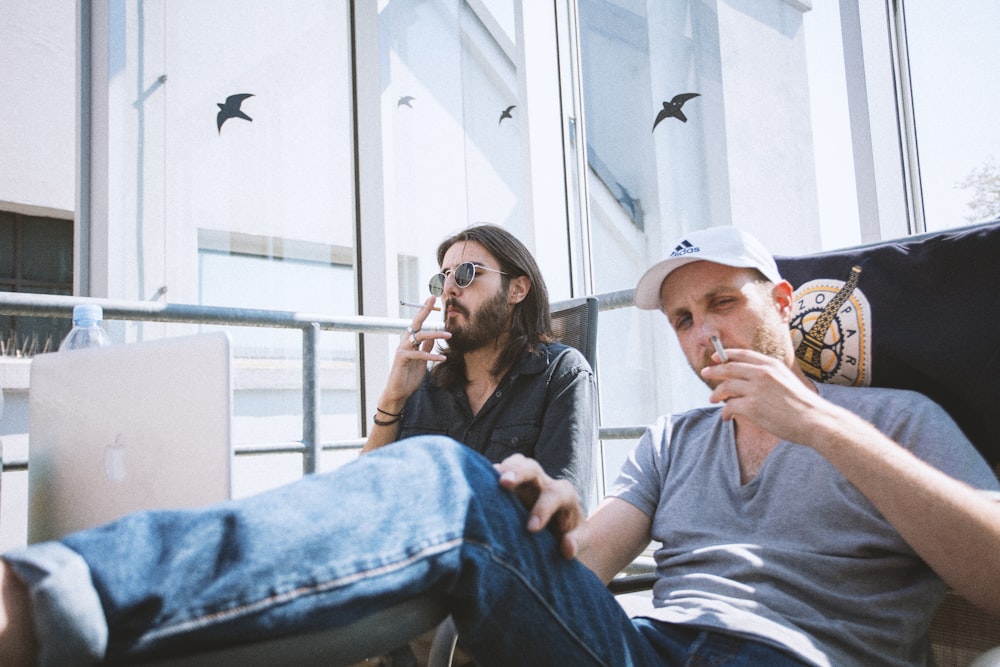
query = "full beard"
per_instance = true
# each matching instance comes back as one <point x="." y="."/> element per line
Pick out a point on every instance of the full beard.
<point x="483" y="328"/>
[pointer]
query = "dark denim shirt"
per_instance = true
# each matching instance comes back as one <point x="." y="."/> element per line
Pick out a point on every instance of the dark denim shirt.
<point x="544" y="408"/>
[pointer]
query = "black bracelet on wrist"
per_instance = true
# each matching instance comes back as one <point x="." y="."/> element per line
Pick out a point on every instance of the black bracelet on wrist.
<point x="390" y="414"/>
<point x="386" y="422"/>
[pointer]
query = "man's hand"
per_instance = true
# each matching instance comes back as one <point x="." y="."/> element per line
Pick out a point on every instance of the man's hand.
<point x="409" y="366"/>
<point x="551" y="503"/>
<point x="416" y="348"/>
<point x="953" y="527"/>
<point x="765" y="391"/>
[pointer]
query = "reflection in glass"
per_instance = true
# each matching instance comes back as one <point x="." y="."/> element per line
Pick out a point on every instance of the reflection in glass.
<point x="696" y="114"/>
<point x="451" y="155"/>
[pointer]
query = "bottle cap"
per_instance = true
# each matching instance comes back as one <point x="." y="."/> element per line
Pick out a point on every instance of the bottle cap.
<point x="88" y="311"/>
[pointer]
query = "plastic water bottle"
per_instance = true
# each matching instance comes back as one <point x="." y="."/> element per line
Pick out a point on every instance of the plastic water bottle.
<point x="87" y="330"/>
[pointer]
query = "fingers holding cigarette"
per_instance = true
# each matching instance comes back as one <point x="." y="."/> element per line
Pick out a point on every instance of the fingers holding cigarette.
<point x="414" y="338"/>
<point x="418" y="320"/>
<point x="419" y="344"/>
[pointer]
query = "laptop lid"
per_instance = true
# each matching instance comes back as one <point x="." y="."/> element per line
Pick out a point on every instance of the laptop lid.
<point x="126" y="428"/>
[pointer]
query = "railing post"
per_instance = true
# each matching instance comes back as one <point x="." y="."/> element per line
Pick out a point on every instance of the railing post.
<point x="310" y="398"/>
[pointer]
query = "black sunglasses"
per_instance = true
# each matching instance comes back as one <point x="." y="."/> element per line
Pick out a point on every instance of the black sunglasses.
<point x="463" y="274"/>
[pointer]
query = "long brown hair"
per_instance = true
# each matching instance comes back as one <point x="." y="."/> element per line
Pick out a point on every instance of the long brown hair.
<point x="531" y="322"/>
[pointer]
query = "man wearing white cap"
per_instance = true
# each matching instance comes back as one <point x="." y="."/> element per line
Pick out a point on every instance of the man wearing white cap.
<point x="783" y="511"/>
<point x="723" y="245"/>
<point x="796" y="524"/>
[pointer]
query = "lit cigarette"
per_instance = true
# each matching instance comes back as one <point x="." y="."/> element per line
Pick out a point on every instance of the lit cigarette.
<point x="719" y="349"/>
<point x="417" y="305"/>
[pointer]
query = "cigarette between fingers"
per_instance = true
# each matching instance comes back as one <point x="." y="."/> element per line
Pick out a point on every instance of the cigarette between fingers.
<point x="416" y="305"/>
<point x="719" y="349"/>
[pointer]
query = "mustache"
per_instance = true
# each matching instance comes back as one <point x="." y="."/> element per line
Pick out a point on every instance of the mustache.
<point x="453" y="303"/>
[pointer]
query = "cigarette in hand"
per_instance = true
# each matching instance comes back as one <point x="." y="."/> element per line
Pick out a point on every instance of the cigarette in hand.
<point x="416" y="305"/>
<point x="719" y="349"/>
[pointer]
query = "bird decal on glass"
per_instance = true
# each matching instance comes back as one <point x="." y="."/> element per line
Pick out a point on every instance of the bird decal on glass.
<point x="672" y="109"/>
<point x="506" y="113"/>
<point x="405" y="99"/>
<point x="231" y="109"/>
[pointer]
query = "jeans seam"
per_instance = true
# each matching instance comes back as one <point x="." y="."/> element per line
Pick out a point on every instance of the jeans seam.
<point x="496" y="557"/>
<point x="277" y="599"/>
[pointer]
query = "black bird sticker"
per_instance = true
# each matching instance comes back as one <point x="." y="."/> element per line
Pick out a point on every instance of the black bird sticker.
<point x="405" y="99"/>
<point x="231" y="109"/>
<point x="672" y="109"/>
<point x="506" y="113"/>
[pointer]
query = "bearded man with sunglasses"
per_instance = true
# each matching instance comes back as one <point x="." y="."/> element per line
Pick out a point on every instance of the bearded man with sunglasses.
<point x="499" y="382"/>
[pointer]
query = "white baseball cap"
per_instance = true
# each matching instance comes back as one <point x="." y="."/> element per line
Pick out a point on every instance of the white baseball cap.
<point x="722" y="245"/>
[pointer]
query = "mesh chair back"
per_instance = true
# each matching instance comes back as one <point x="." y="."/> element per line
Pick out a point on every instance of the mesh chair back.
<point x="574" y="323"/>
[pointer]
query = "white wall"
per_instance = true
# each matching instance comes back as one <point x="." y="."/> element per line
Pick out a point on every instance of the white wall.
<point x="37" y="177"/>
<point x="38" y="107"/>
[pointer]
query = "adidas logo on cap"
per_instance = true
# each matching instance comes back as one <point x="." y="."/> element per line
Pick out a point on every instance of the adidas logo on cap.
<point x="723" y="245"/>
<point x="684" y="248"/>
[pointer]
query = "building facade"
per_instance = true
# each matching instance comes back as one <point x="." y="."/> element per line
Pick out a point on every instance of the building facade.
<point x="309" y="156"/>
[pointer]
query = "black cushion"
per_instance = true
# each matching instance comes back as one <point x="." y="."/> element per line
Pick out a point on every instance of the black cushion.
<point x="932" y="322"/>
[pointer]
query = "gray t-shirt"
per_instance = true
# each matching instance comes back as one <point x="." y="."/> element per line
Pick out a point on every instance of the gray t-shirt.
<point x="797" y="557"/>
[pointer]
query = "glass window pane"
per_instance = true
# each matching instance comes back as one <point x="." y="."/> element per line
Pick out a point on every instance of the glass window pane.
<point x="229" y="116"/>
<point x="697" y="114"/>
<point x="269" y="401"/>
<point x="234" y="118"/>
<point x="953" y="72"/>
<point x="47" y="250"/>
<point x="828" y="107"/>
<point x="451" y="154"/>
<point x="6" y="245"/>
<point x="291" y="285"/>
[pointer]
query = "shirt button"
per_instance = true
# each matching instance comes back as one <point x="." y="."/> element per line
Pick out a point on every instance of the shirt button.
<point x="499" y="393"/>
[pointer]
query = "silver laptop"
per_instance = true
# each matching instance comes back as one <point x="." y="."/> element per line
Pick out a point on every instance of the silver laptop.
<point x="130" y="427"/>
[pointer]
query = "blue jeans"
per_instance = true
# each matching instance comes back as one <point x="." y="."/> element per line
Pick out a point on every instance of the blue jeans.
<point x="422" y="515"/>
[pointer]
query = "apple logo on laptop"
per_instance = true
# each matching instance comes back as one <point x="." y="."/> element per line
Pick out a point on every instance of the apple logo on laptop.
<point x="114" y="460"/>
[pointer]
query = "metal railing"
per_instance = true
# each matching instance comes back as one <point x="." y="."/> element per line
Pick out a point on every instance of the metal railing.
<point x="310" y="325"/>
<point x="43" y="305"/>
